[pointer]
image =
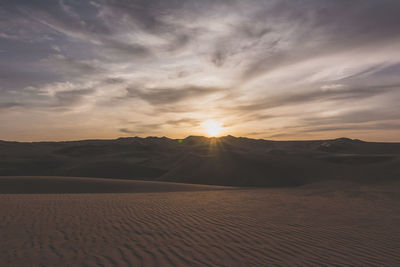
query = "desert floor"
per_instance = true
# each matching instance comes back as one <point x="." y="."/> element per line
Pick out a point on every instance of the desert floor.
<point x="163" y="224"/>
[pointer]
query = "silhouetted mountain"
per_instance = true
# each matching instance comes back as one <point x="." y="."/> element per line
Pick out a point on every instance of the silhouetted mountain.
<point x="225" y="160"/>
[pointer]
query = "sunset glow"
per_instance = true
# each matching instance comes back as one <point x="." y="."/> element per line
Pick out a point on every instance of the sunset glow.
<point x="272" y="69"/>
<point x="212" y="127"/>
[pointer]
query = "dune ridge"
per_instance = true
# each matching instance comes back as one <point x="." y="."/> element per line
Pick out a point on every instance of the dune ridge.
<point x="79" y="185"/>
<point x="228" y="161"/>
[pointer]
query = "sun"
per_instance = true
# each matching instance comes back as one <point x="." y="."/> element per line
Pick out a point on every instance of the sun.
<point x="212" y="127"/>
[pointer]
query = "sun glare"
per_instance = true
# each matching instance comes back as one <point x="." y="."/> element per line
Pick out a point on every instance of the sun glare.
<point x="212" y="127"/>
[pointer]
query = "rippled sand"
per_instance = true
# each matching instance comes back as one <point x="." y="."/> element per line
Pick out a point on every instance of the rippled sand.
<point x="240" y="227"/>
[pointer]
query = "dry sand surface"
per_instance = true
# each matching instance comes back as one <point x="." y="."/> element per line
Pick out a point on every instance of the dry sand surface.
<point x="63" y="185"/>
<point x="321" y="224"/>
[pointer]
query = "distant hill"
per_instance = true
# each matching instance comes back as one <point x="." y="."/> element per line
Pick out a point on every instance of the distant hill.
<point x="225" y="160"/>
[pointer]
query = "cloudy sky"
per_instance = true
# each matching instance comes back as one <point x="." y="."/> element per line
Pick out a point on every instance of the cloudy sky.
<point x="272" y="69"/>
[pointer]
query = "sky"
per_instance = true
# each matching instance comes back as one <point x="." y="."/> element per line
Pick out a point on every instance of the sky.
<point x="271" y="69"/>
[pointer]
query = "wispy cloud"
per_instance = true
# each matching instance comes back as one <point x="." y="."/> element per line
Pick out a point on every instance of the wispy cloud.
<point x="273" y="67"/>
<point x="160" y="96"/>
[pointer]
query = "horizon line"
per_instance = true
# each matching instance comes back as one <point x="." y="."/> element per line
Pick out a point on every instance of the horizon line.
<point x="208" y="137"/>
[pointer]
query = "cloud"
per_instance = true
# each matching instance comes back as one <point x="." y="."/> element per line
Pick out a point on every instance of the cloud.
<point x="278" y="66"/>
<point x="126" y="131"/>
<point x="353" y="127"/>
<point x="163" y="96"/>
<point x="184" y="121"/>
<point x="335" y="94"/>
<point x="8" y="105"/>
<point x="70" y="98"/>
<point x="70" y="66"/>
<point x="51" y="97"/>
<point x="334" y="86"/>
<point x="298" y="43"/>
<point x="128" y="49"/>
<point x="140" y="128"/>
<point x="356" y="116"/>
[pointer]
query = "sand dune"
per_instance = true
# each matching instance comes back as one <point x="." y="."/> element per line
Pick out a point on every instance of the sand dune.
<point x="56" y="185"/>
<point x="307" y="226"/>
<point x="344" y="210"/>
<point x="226" y="160"/>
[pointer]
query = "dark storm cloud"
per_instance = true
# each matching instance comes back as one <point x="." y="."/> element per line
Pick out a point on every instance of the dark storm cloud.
<point x="157" y="96"/>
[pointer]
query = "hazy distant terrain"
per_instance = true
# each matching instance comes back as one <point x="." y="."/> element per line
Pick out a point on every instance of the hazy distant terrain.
<point x="219" y="161"/>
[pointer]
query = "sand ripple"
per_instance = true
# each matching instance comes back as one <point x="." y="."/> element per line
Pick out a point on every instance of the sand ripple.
<point x="260" y="227"/>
